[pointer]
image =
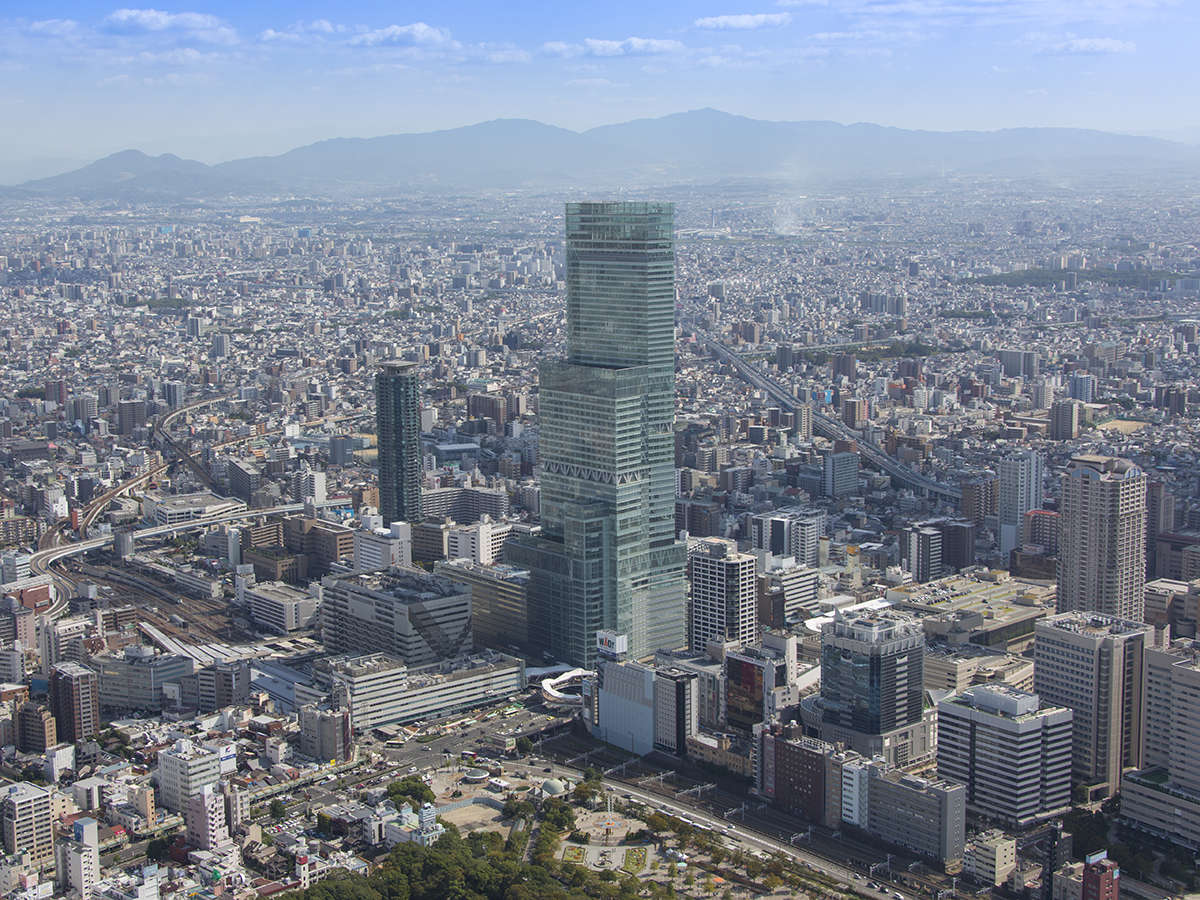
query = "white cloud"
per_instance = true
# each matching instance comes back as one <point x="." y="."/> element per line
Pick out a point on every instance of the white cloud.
<point x="507" y="55"/>
<point x="180" y="56"/>
<point x="200" y="26"/>
<point x="631" y="46"/>
<point x="1000" y="12"/>
<point x="561" y="48"/>
<point x="869" y="35"/>
<point x="593" y="83"/>
<point x="595" y="47"/>
<point x="303" y="32"/>
<point x="1073" y="45"/>
<point x="271" y="36"/>
<point x="745" y="21"/>
<point x="54" y="27"/>
<point x="1094" y="46"/>
<point x="418" y="34"/>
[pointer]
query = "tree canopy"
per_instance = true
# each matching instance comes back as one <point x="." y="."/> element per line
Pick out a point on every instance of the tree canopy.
<point x="475" y="867"/>
<point x="411" y="789"/>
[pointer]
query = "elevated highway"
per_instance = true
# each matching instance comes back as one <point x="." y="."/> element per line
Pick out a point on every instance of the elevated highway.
<point x="53" y="545"/>
<point x="40" y="563"/>
<point x="831" y="428"/>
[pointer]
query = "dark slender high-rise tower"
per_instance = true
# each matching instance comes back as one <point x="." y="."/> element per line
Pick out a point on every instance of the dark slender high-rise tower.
<point x="398" y="422"/>
<point x="607" y="558"/>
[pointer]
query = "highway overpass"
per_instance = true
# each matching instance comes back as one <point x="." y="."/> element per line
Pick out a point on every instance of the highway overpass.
<point x="833" y="429"/>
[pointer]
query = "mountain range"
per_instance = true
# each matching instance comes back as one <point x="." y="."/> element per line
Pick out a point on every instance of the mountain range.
<point x="699" y="146"/>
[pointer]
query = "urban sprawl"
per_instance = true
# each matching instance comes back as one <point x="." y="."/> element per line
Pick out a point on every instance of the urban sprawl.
<point x="712" y="542"/>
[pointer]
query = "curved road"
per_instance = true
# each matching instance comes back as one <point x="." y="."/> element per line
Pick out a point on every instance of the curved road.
<point x="51" y="547"/>
<point x="40" y="562"/>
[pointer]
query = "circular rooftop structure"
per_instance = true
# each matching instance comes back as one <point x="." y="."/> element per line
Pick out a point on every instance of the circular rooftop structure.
<point x="553" y="787"/>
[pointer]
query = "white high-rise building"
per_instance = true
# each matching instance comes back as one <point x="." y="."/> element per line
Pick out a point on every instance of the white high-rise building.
<point x="1020" y="491"/>
<point x="1102" y="538"/>
<point x="1012" y="753"/>
<point x="204" y="817"/>
<point x="309" y="483"/>
<point x="923" y="552"/>
<point x="77" y="859"/>
<point x="183" y="771"/>
<point x="676" y="710"/>
<point x="841" y="474"/>
<point x="1164" y="797"/>
<point x="1093" y="665"/>
<point x="723" y="595"/>
<point x="380" y="548"/>
<point x="27" y="817"/>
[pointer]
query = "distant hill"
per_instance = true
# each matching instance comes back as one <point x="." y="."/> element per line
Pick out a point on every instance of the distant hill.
<point x="130" y="171"/>
<point x="701" y="145"/>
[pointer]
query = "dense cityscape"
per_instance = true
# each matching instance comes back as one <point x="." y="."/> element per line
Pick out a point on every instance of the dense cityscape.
<point x="707" y="540"/>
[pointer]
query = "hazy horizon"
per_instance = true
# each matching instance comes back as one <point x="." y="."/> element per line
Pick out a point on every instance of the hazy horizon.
<point x="215" y="81"/>
<point x="17" y="171"/>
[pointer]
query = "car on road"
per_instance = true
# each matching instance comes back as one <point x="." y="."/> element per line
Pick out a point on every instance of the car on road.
<point x="547" y="770"/>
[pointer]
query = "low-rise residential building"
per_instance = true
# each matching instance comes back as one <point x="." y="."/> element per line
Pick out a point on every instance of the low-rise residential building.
<point x="990" y="857"/>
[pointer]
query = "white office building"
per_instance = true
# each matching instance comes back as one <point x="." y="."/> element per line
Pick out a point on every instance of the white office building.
<point x="794" y="532"/>
<point x="77" y="859"/>
<point x="1093" y="665"/>
<point x="183" y="771"/>
<point x="27" y="817"/>
<point x="280" y="608"/>
<point x="1012" y="753"/>
<point x="381" y="690"/>
<point x="204" y="817"/>
<point x="481" y="542"/>
<point x="382" y="548"/>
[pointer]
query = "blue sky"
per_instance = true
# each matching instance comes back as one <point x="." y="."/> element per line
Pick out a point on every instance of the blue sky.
<point x="216" y="80"/>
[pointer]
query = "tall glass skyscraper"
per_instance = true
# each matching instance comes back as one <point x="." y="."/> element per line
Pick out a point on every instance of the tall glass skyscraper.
<point x="607" y="558"/>
<point x="398" y="423"/>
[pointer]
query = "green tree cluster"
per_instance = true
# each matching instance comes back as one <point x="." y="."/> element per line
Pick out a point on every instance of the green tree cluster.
<point x="410" y="789"/>
<point x="476" y="867"/>
<point x="558" y="814"/>
<point x="517" y="806"/>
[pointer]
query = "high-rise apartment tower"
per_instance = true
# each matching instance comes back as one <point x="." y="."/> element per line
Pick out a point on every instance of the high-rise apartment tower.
<point x="1102" y="538"/>
<point x="723" y="595"/>
<point x="398" y="421"/>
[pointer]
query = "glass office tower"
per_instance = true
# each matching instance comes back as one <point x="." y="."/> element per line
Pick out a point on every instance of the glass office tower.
<point x="398" y="423"/>
<point x="607" y="558"/>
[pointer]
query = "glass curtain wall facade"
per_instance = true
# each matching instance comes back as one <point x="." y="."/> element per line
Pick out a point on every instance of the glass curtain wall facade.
<point x="398" y="423"/>
<point x="607" y="558"/>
